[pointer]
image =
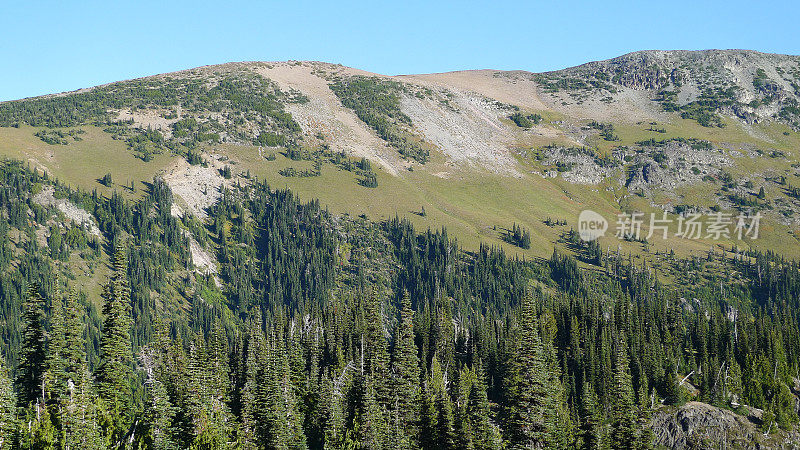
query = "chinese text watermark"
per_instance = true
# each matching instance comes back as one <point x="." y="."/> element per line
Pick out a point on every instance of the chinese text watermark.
<point x="638" y="226"/>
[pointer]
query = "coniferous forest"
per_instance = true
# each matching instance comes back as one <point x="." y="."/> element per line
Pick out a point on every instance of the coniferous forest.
<point x="323" y="331"/>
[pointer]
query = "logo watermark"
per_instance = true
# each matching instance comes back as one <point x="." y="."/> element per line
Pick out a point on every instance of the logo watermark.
<point x="715" y="226"/>
<point x="591" y="225"/>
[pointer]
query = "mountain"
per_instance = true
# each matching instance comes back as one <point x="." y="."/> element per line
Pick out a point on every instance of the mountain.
<point x="304" y="254"/>
<point x="446" y="141"/>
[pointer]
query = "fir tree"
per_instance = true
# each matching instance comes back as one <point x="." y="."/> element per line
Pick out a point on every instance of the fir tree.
<point x="444" y="429"/>
<point x="375" y="349"/>
<point x="428" y="419"/>
<point x="406" y="372"/>
<point x="531" y="397"/>
<point x="369" y="430"/>
<point x="56" y="376"/>
<point x="483" y="434"/>
<point x="253" y="402"/>
<point x="115" y="351"/>
<point x="30" y="372"/>
<point x="157" y="422"/>
<point x="8" y="411"/>
<point x="80" y="426"/>
<point x="591" y="432"/>
<point x="624" y="431"/>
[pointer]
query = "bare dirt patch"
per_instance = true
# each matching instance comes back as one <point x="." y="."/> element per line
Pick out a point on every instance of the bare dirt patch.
<point x="76" y="214"/>
<point x="325" y="115"/>
<point x="149" y="119"/>
<point x="467" y="129"/>
<point x="202" y="259"/>
<point x="513" y="88"/>
<point x="197" y="187"/>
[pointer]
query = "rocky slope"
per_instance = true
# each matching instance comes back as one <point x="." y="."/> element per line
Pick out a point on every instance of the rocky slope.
<point x="699" y="425"/>
<point x="750" y="85"/>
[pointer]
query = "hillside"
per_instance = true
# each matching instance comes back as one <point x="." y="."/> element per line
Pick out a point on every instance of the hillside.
<point x="445" y="142"/>
<point x="305" y="255"/>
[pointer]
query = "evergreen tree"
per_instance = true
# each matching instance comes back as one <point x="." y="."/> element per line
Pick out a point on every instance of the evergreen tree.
<point x="254" y="405"/>
<point x="55" y="376"/>
<point x="591" y="419"/>
<point x="375" y="348"/>
<point x="158" y="430"/>
<point x="41" y="432"/>
<point x="8" y="410"/>
<point x="428" y="419"/>
<point x="30" y="372"/>
<point x="369" y="430"/>
<point x="532" y="403"/>
<point x="74" y="355"/>
<point x="483" y="434"/>
<point x="79" y="418"/>
<point x="114" y="373"/>
<point x="406" y="375"/>
<point x="444" y="430"/>
<point x="625" y="432"/>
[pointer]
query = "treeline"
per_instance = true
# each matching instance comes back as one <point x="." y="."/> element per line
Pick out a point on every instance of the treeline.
<point x="321" y="331"/>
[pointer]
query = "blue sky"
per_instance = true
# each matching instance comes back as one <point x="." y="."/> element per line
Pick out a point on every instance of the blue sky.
<point x="48" y="47"/>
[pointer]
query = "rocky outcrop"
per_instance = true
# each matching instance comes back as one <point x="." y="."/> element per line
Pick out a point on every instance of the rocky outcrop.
<point x="699" y="425"/>
<point x="666" y="165"/>
<point x="746" y="84"/>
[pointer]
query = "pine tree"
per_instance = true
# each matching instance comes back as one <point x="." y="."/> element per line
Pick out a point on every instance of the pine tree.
<point x="484" y="434"/>
<point x="159" y="412"/>
<point x="79" y="419"/>
<point x="591" y="419"/>
<point x="624" y="431"/>
<point x="55" y="376"/>
<point x="114" y="372"/>
<point x="8" y="411"/>
<point x="406" y="372"/>
<point x="533" y="408"/>
<point x="32" y="360"/>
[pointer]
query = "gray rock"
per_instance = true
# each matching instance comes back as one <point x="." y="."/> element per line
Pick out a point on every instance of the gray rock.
<point x="699" y="425"/>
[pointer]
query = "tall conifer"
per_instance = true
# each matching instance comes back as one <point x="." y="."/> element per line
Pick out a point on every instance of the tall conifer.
<point x="114" y="372"/>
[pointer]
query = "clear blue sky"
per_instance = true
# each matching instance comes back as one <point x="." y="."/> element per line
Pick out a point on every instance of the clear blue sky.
<point x="48" y="47"/>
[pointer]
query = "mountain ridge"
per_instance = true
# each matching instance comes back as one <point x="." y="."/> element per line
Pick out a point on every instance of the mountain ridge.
<point x="555" y="132"/>
<point x="637" y="53"/>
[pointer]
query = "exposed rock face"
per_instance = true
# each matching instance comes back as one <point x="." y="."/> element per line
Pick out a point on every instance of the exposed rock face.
<point x="77" y="215"/>
<point x="659" y="165"/>
<point x="699" y="425"/>
<point x="671" y="164"/>
<point x="655" y="69"/>
<point x="578" y="165"/>
<point x="749" y="85"/>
